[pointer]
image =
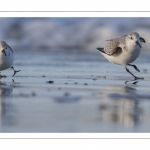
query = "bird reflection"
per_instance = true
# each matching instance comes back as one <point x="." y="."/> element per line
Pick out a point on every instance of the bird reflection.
<point x="135" y="81"/>
<point x="121" y="105"/>
<point x="5" y="89"/>
<point x="6" y="107"/>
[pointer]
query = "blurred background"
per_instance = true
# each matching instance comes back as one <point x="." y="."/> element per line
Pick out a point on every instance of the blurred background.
<point x="69" y="33"/>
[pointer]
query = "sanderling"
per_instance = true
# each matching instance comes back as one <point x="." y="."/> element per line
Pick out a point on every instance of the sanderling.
<point x="124" y="50"/>
<point x="6" y="57"/>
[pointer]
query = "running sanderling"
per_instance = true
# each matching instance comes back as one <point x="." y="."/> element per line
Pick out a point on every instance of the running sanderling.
<point x="124" y="50"/>
<point x="6" y="57"/>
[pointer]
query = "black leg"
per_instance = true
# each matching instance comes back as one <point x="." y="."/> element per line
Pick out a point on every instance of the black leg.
<point x="14" y="71"/>
<point x="135" y="67"/>
<point x="132" y="74"/>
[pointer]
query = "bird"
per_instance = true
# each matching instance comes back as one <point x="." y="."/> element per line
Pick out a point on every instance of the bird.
<point x="124" y="50"/>
<point x="6" y="57"/>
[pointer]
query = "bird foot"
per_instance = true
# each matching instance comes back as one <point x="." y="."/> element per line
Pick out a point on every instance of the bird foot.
<point x="136" y="78"/>
<point x="137" y="69"/>
<point x="15" y="71"/>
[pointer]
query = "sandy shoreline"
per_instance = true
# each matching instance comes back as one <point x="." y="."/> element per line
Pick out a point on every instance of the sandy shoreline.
<point x="73" y="92"/>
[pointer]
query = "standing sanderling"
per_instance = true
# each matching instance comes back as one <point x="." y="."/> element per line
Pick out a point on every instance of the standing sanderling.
<point x="124" y="50"/>
<point x="6" y="57"/>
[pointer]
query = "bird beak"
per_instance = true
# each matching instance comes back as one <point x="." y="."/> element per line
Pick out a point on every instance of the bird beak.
<point x="137" y="42"/>
<point x="142" y="40"/>
<point x="3" y="51"/>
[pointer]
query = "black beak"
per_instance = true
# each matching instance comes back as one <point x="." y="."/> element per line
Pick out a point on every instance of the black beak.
<point x="142" y="40"/>
<point x="137" y="42"/>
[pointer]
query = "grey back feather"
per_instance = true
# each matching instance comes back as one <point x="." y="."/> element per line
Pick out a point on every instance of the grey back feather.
<point x="4" y="44"/>
<point x="115" y="46"/>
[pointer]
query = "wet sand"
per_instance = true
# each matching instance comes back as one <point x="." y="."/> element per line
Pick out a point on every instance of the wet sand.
<point x="74" y="91"/>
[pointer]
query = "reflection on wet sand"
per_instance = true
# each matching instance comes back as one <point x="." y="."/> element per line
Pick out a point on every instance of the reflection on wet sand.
<point x="121" y="106"/>
<point x="5" y="89"/>
<point x="5" y="104"/>
<point x="135" y="81"/>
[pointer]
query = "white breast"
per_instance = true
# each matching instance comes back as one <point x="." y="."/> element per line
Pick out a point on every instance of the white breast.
<point x="125" y="57"/>
<point x="6" y="61"/>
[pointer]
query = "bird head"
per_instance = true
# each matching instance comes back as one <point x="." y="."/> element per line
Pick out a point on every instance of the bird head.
<point x="134" y="39"/>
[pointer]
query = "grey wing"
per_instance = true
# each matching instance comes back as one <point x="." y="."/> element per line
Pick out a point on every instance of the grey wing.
<point x="10" y="48"/>
<point x="110" y="40"/>
<point x="113" y="47"/>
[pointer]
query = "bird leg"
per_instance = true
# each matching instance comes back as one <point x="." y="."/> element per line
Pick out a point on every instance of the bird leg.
<point x="135" y="67"/>
<point x="132" y="74"/>
<point x="14" y="71"/>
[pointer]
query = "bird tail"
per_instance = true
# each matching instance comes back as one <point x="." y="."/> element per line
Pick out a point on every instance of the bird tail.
<point x="101" y="50"/>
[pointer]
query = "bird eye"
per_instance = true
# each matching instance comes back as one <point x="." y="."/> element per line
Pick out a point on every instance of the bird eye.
<point x="131" y="38"/>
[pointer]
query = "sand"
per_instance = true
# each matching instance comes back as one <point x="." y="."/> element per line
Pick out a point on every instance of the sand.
<point x="73" y="91"/>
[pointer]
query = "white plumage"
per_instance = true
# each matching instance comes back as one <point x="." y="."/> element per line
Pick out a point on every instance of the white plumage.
<point x="124" y="50"/>
<point x="6" y="57"/>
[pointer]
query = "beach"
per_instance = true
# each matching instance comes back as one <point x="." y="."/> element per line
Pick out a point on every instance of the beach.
<point x="73" y="91"/>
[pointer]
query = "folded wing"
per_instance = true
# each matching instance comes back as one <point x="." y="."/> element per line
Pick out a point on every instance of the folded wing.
<point x="113" y="47"/>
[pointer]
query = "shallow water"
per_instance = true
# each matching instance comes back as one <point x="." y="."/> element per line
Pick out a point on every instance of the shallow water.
<point x="74" y="91"/>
